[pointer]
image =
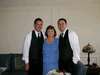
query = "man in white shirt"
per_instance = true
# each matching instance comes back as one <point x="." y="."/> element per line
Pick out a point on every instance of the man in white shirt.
<point x="69" y="50"/>
<point x="32" y="50"/>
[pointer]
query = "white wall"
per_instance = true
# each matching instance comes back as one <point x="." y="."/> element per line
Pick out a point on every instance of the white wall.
<point x="16" y="19"/>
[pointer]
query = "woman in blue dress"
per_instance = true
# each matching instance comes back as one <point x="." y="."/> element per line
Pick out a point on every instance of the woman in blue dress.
<point x="50" y="50"/>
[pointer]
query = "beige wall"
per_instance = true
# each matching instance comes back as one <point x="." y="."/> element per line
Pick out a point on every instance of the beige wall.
<point x="16" y="19"/>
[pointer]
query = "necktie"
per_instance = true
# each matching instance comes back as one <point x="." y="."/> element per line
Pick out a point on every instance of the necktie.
<point x="62" y="34"/>
<point x="39" y="35"/>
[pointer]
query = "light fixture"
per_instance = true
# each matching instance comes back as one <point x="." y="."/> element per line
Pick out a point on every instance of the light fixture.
<point x="88" y="49"/>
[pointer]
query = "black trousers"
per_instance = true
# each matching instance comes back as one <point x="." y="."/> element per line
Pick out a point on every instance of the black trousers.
<point x="35" y="68"/>
<point x="74" y="69"/>
<point x="79" y="69"/>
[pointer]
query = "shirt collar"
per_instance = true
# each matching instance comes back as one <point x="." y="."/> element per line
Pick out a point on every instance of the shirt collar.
<point x="64" y="31"/>
<point x="36" y="32"/>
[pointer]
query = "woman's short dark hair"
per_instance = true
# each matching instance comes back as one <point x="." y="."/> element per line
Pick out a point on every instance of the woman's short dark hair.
<point x="37" y="19"/>
<point x="50" y="27"/>
<point x="62" y="19"/>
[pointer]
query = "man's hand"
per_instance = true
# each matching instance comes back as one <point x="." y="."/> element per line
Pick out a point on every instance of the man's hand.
<point x="26" y="67"/>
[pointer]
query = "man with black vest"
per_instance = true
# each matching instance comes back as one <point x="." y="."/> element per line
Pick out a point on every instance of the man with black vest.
<point x="69" y="50"/>
<point x="32" y="50"/>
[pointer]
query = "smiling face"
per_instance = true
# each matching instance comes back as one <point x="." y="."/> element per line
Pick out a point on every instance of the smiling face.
<point x="38" y="25"/>
<point x="50" y="33"/>
<point x="62" y="25"/>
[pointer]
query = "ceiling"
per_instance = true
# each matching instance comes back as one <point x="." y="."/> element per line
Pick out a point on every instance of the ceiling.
<point x="72" y="3"/>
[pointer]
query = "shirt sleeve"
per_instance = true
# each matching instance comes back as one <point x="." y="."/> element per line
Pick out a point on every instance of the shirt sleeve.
<point x="26" y="47"/>
<point x="74" y="42"/>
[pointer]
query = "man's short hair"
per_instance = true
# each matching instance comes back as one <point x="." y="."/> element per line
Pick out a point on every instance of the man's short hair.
<point x="62" y="19"/>
<point x="37" y="19"/>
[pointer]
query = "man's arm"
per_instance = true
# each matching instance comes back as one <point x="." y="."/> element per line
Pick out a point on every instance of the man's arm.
<point x="25" y="57"/>
<point x="74" y="42"/>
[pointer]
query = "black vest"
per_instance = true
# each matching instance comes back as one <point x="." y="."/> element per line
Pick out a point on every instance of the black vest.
<point x="65" y="53"/>
<point x="35" y="51"/>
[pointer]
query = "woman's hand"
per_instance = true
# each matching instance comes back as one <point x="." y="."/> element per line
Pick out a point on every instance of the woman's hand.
<point x="61" y="73"/>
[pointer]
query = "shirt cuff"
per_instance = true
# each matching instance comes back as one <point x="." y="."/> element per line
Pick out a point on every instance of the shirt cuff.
<point x="25" y="60"/>
<point x="75" y="61"/>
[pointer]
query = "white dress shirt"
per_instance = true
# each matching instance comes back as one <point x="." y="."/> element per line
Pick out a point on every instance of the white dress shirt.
<point x="74" y="42"/>
<point x="26" y="47"/>
<point x="73" y="39"/>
